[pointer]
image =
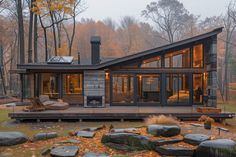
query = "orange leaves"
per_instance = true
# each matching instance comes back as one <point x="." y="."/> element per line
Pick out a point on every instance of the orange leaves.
<point x="60" y="6"/>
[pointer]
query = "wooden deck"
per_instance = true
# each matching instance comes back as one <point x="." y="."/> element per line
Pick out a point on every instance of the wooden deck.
<point x="115" y="113"/>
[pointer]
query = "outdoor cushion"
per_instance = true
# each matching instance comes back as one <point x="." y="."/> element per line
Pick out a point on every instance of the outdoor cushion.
<point x="58" y="106"/>
<point x="44" y="98"/>
<point x="50" y="102"/>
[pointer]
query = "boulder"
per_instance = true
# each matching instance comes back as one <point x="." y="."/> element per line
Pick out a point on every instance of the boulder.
<point x="12" y="138"/>
<point x="45" y="151"/>
<point x="174" y="151"/>
<point x="86" y="134"/>
<point x="70" y="141"/>
<point x="162" y="142"/>
<point x="163" y="130"/>
<point x="125" y="130"/>
<point x="64" y="151"/>
<point x="91" y="154"/>
<point x="216" y="148"/>
<point x="44" y="136"/>
<point x="126" y="141"/>
<point x="95" y="128"/>
<point x="195" y="139"/>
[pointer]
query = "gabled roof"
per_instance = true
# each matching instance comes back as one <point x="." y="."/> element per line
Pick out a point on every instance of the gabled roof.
<point x="125" y="58"/>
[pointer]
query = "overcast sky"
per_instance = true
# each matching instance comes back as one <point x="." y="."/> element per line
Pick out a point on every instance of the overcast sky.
<point x="101" y="9"/>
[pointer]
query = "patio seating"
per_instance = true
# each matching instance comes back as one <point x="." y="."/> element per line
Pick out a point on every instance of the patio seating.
<point x="52" y="104"/>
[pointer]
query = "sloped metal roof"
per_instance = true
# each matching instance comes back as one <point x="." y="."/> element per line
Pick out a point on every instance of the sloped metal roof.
<point x="121" y="60"/>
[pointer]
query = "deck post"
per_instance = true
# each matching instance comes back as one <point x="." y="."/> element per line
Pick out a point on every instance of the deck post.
<point x="22" y="86"/>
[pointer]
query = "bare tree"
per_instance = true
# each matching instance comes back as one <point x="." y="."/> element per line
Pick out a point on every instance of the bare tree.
<point x="230" y="26"/>
<point x="169" y="16"/>
<point x="20" y="31"/>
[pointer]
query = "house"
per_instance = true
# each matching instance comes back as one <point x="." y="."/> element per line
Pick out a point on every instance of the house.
<point x="183" y="73"/>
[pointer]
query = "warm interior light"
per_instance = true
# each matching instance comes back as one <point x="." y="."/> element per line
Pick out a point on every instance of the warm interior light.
<point x="140" y="77"/>
<point x="107" y="75"/>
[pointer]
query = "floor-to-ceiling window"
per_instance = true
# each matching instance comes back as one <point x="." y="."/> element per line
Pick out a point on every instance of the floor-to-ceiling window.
<point x="148" y="88"/>
<point x="73" y="88"/>
<point x="123" y="89"/>
<point x="177" y="88"/>
<point x="197" y="88"/>
<point x="50" y="85"/>
<point x="198" y="56"/>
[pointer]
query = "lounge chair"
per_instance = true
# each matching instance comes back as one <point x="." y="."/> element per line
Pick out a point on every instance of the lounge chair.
<point x="52" y="104"/>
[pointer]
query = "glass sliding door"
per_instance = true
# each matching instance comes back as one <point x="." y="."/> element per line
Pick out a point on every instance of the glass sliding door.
<point x="73" y="88"/>
<point x="122" y="89"/>
<point x="148" y="88"/>
<point x="177" y="89"/>
<point x="50" y="85"/>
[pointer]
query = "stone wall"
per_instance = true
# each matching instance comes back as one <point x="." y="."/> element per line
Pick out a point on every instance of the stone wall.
<point x="94" y="85"/>
<point x="211" y="67"/>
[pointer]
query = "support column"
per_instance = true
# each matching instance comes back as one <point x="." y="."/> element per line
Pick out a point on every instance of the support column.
<point x="212" y="73"/>
<point x="22" y="86"/>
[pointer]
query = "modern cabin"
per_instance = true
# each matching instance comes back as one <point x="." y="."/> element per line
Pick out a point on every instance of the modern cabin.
<point x="183" y="73"/>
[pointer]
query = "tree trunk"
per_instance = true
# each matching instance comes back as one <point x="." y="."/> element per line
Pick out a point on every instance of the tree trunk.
<point x="72" y="37"/>
<point x="45" y="39"/>
<point x="2" y="72"/>
<point x="54" y="33"/>
<point x="35" y="38"/>
<point x="226" y="79"/>
<point x="21" y="31"/>
<point x="30" y="55"/>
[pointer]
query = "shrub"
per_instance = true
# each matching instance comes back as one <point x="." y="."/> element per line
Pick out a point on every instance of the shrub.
<point x="166" y="120"/>
<point x="206" y="119"/>
<point x="203" y="118"/>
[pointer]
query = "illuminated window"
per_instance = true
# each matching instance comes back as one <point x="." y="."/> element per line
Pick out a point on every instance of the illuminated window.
<point x="177" y="88"/>
<point x="49" y="85"/>
<point x="178" y="59"/>
<point x="197" y="88"/>
<point x="123" y="89"/>
<point x="198" y="56"/>
<point x="72" y="84"/>
<point x="148" y="88"/>
<point x="152" y="63"/>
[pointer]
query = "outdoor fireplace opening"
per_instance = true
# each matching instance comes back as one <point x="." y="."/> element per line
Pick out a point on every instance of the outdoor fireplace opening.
<point x="94" y="101"/>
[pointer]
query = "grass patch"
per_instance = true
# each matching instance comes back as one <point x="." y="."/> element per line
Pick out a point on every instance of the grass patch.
<point x="4" y="115"/>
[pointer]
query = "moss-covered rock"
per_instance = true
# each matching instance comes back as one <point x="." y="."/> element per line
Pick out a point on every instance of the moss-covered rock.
<point x="217" y="148"/>
<point x="164" y="130"/>
<point x="126" y="141"/>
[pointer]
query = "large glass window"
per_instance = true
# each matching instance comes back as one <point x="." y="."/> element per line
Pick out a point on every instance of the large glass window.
<point x="123" y="89"/>
<point x="178" y="59"/>
<point x="197" y="88"/>
<point x="72" y="84"/>
<point x="148" y="88"/>
<point x="50" y="84"/>
<point x="73" y="88"/>
<point x="152" y="63"/>
<point x="198" y="56"/>
<point x="177" y="88"/>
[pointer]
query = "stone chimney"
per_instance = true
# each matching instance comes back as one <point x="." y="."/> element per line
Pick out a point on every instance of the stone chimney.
<point x="95" y="49"/>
